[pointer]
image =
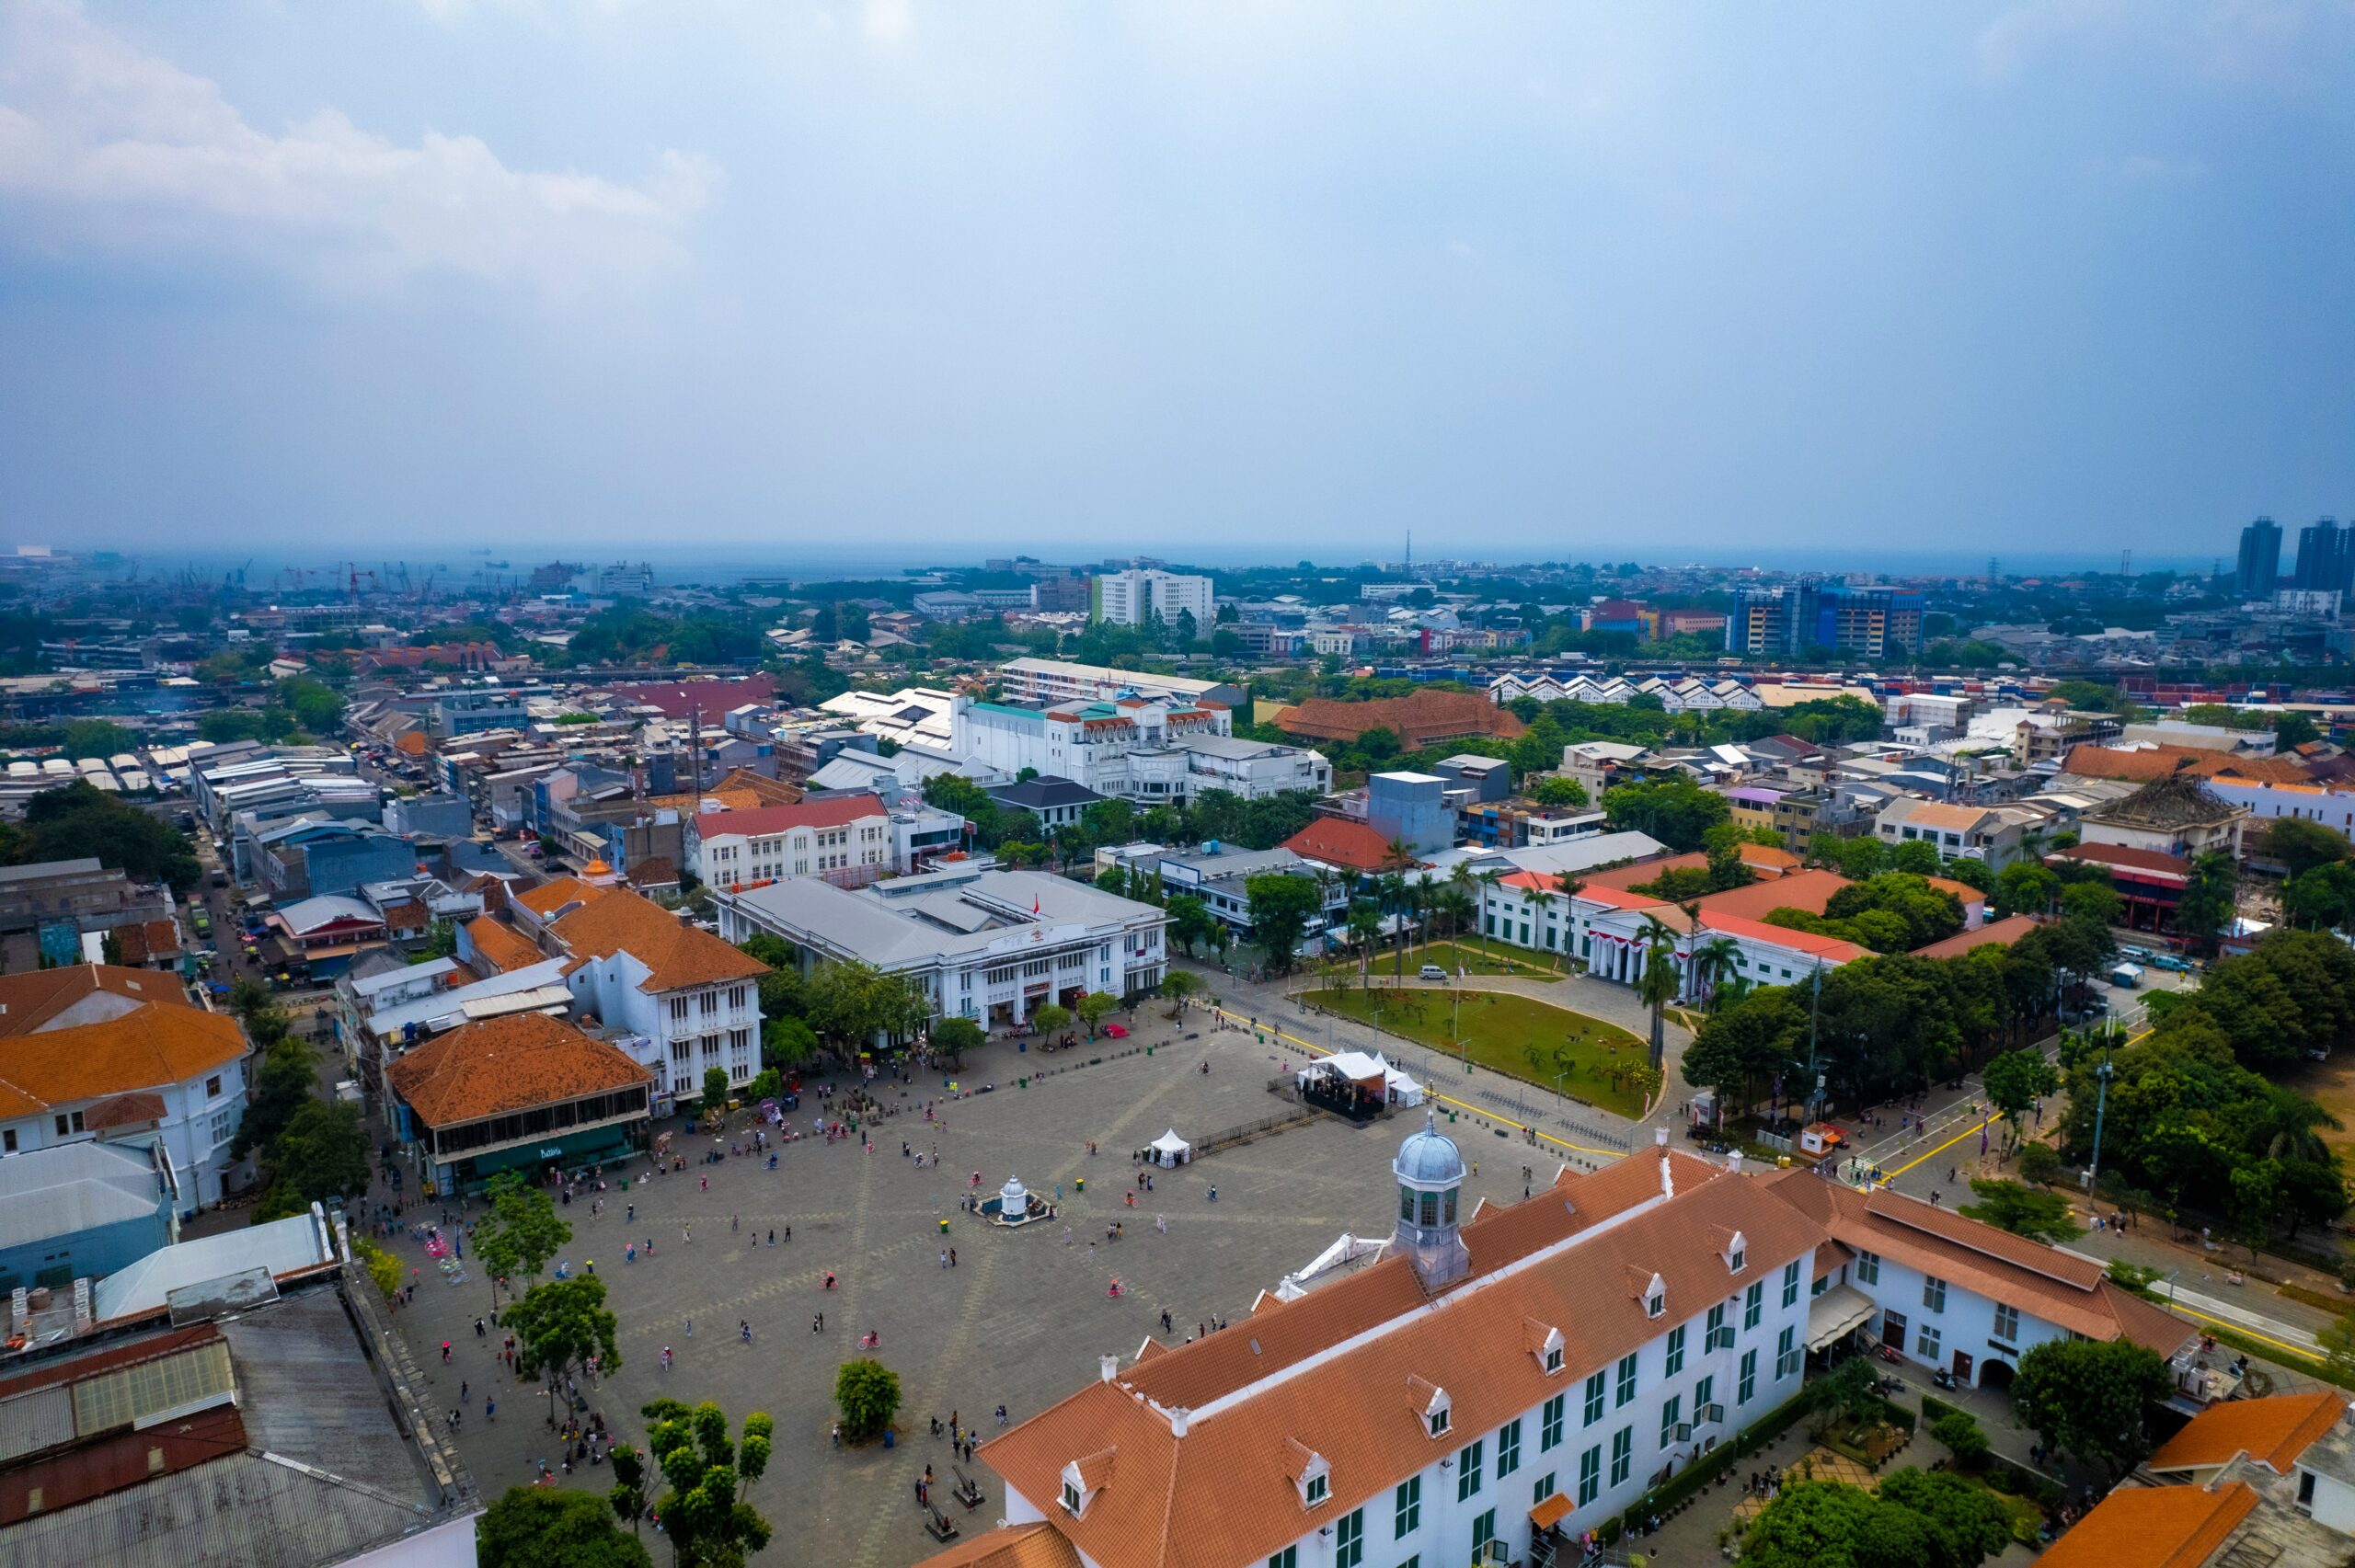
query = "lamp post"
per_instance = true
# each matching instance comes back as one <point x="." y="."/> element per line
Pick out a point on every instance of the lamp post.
<point x="2102" y="1076"/>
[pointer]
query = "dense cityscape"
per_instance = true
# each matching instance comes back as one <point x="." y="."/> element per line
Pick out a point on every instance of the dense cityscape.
<point x="1278" y="786"/>
<point x="1908" y="1010"/>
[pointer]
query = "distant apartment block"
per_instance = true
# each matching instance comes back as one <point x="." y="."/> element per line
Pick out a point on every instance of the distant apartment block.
<point x="1132" y="597"/>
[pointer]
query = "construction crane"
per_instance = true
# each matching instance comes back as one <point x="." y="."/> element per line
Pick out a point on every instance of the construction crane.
<point x="352" y="575"/>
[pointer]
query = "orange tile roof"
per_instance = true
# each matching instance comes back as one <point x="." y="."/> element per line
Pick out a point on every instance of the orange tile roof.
<point x="1829" y="947"/>
<point x="500" y="945"/>
<point x="410" y="743"/>
<point x="675" y="953"/>
<point x="2272" y="1431"/>
<point x="1218" y="1495"/>
<point x="1034" y="1545"/>
<point x="553" y="895"/>
<point x="1338" y="842"/>
<point x="1809" y="890"/>
<point x="2153" y="1527"/>
<point x="1963" y="891"/>
<point x="2158" y="761"/>
<point x="156" y="1037"/>
<point x="2005" y="931"/>
<point x="515" y="1063"/>
<point x="1417" y="718"/>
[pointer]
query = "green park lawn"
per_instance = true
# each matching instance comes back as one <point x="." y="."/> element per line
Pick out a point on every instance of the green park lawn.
<point x="1450" y="955"/>
<point x="1500" y="1032"/>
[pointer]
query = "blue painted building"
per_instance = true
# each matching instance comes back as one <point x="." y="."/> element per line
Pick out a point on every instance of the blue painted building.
<point x="80" y="1210"/>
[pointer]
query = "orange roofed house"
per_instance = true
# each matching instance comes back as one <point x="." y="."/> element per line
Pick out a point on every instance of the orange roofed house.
<point x="2259" y="1481"/>
<point x="1499" y="1382"/>
<point x="677" y="999"/>
<point x="100" y="1052"/>
<point x="1420" y="719"/>
<point x="516" y="1094"/>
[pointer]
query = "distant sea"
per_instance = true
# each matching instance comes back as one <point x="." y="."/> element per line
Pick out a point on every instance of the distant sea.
<point x="720" y="566"/>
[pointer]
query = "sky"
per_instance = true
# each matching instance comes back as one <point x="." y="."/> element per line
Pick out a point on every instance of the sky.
<point x="1218" y="282"/>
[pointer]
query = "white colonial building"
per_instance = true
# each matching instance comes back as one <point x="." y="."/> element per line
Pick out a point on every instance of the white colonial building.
<point x="1152" y="750"/>
<point x="846" y="839"/>
<point x="1501" y="1382"/>
<point x="983" y="944"/>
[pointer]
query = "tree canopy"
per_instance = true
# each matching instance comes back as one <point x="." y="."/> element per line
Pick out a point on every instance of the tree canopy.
<point x="2092" y="1398"/>
<point x="547" y="1527"/>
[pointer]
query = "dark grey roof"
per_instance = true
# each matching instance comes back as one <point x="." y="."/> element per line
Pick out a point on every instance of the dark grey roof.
<point x="1045" y="791"/>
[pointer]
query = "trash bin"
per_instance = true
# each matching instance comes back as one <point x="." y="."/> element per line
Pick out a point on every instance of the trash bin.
<point x="1020" y="1045"/>
<point x="1080" y="1183"/>
<point x="890" y="1440"/>
<point x="1022" y="1084"/>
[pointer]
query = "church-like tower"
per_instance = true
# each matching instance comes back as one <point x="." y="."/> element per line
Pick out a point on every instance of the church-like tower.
<point x="1431" y="1178"/>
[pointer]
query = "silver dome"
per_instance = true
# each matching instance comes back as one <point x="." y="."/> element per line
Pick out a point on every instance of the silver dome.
<point x="1428" y="1158"/>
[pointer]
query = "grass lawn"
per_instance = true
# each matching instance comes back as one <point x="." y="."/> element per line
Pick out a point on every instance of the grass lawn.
<point x="1500" y="1032"/>
<point x="1450" y="955"/>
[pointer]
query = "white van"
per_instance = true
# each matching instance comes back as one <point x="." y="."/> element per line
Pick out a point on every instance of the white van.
<point x="1432" y="972"/>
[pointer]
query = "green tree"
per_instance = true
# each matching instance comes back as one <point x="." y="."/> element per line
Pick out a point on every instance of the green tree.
<point x="2299" y="845"/>
<point x="2095" y="904"/>
<point x="2210" y="893"/>
<point x="2321" y="899"/>
<point x="1677" y="812"/>
<point x="74" y="821"/>
<point x="1180" y="986"/>
<point x="518" y="1232"/>
<point x="703" y="1511"/>
<point x="536" y="1527"/>
<point x="1823" y="1524"/>
<point x="2017" y="1080"/>
<point x="1965" y="1524"/>
<point x="97" y="737"/>
<point x="1050" y="1017"/>
<point x="1283" y="904"/>
<point x="322" y="1153"/>
<point x="786" y="1044"/>
<point x="2024" y="888"/>
<point x="867" y="1392"/>
<point x="714" y="1089"/>
<point x="2039" y="1164"/>
<point x="2293" y="730"/>
<point x="853" y="1002"/>
<point x="441" y="941"/>
<point x="2023" y="1211"/>
<point x="954" y="1035"/>
<point x="1561" y="793"/>
<point x="1915" y="857"/>
<point x="1094" y="1008"/>
<point x="286" y="1081"/>
<point x="557" y="1326"/>
<point x="2092" y="1398"/>
<point x="1963" y="1436"/>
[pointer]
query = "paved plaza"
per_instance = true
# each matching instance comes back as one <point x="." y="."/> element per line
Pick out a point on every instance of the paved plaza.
<point x="1020" y="1321"/>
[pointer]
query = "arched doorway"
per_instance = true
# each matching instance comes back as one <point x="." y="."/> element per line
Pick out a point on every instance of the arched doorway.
<point x="1994" y="1374"/>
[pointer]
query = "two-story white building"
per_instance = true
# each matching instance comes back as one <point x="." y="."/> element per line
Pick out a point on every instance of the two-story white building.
<point x="1500" y="1383"/>
<point x="1148" y="750"/>
<point x="848" y="840"/>
<point x="676" y="998"/>
<point x="982" y="943"/>
<point x="117" y="1055"/>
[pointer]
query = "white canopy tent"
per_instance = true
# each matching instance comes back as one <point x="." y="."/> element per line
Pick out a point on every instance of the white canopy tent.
<point x="1357" y="1067"/>
<point x="1170" y="1149"/>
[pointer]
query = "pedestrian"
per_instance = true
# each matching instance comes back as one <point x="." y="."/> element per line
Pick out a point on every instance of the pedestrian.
<point x="771" y="1236"/>
<point x="952" y="1257"/>
<point x="690" y="1328"/>
<point x="944" y="1257"/>
<point x="464" y="1388"/>
<point x="490" y="1407"/>
<point x="666" y="1359"/>
<point x="445" y="1352"/>
<point x="744" y="1330"/>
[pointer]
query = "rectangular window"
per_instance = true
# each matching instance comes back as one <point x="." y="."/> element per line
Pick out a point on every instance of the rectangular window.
<point x="1787" y="1353"/>
<point x="1406" y="1508"/>
<point x="1288" y="1558"/>
<point x="1626" y="1383"/>
<point x="1868" y="1268"/>
<point x="1790" y="1282"/>
<point x="1675" y="1362"/>
<point x="220" y="1124"/>
<point x="8" y="1141"/>
<point x="1467" y="1470"/>
<point x="1933" y="1293"/>
<point x="1590" y="1476"/>
<point x="1484" y="1530"/>
<point x="1622" y="1454"/>
<point x="1753" y="1306"/>
<point x="1508" y="1449"/>
<point x="1748" y="1388"/>
<point x="1594" y="1390"/>
<point x="212" y="1087"/>
<point x="1349" y="1539"/>
<point x="1543" y="1489"/>
<point x="1549" y="1433"/>
<point x="1715" y="1335"/>
<point x="1671" y="1410"/>
<point x="1704" y="1395"/>
<point x="2007" y="1325"/>
<point x="1928" y="1343"/>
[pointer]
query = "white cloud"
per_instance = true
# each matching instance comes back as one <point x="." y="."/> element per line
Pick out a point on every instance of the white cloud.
<point x="106" y="144"/>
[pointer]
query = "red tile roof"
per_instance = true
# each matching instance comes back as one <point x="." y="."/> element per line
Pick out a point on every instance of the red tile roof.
<point x="144" y="1035"/>
<point x="1417" y="719"/>
<point x="500" y="945"/>
<point x="2153" y="1527"/>
<point x="2272" y="1431"/>
<point x="2001" y="933"/>
<point x="1337" y="840"/>
<point x="761" y="821"/>
<point x="516" y="1063"/>
<point x="712" y="697"/>
<point x="675" y="954"/>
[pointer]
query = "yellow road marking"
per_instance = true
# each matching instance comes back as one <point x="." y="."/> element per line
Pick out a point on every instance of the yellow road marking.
<point x="2244" y="1332"/>
<point x="1315" y="1050"/>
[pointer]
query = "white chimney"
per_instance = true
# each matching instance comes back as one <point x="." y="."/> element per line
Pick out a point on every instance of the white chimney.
<point x="1659" y="1139"/>
<point x="1667" y="1178"/>
<point x="1733" y="1162"/>
<point x="1179" y="1416"/>
<point x="1106" y="1368"/>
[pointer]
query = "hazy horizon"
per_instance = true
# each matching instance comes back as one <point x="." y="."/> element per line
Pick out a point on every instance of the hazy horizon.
<point x="891" y="279"/>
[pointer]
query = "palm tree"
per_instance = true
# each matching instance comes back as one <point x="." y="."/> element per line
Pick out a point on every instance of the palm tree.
<point x="1659" y="983"/>
<point x="1542" y="903"/>
<point x="1394" y="899"/>
<point x="1323" y="877"/>
<point x="1569" y="886"/>
<point x="1712" y="963"/>
<point x="1490" y="880"/>
<point x="1366" y="925"/>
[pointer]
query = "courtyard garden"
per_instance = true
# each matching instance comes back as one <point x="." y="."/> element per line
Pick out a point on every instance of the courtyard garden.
<point x="1468" y="957"/>
<point x="1536" y="1042"/>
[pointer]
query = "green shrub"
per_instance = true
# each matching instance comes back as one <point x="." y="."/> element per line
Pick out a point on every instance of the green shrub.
<point x="1963" y="1439"/>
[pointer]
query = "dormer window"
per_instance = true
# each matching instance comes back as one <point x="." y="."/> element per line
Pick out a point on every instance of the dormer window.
<point x="1071" y="1497"/>
<point x="1439" y="1421"/>
<point x="1314" y="1490"/>
<point x="1311" y="1477"/>
<point x="1655" y="1301"/>
<point x="1544" y="1341"/>
<point x="1083" y="1479"/>
<point x="1737" y="1254"/>
<point x="1430" y="1404"/>
<point x="1554" y="1358"/>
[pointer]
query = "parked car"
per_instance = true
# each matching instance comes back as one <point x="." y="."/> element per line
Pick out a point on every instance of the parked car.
<point x="1432" y="972"/>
